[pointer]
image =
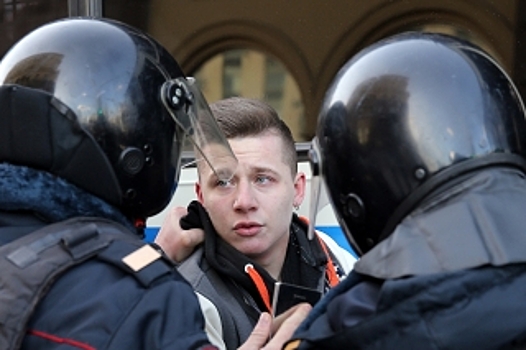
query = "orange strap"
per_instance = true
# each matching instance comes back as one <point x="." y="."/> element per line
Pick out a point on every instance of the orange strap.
<point x="332" y="276"/>
<point x="260" y="285"/>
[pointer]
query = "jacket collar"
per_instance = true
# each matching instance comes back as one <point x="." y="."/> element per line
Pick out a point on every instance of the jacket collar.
<point x="477" y="222"/>
<point x="53" y="199"/>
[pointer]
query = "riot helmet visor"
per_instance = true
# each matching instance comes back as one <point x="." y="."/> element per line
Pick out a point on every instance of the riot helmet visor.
<point x="189" y="109"/>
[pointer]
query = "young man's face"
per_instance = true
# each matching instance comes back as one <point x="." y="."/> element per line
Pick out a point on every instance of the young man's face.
<point x="253" y="211"/>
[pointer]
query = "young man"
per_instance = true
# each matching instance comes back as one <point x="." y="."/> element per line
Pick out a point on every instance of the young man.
<point x="90" y="140"/>
<point x="253" y="238"/>
<point x="422" y="139"/>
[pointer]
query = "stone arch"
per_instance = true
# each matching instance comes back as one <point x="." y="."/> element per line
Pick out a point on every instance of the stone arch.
<point x="490" y="32"/>
<point x="217" y="38"/>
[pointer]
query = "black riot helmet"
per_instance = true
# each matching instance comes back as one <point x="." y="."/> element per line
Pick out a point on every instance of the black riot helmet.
<point x="104" y="106"/>
<point x="407" y="115"/>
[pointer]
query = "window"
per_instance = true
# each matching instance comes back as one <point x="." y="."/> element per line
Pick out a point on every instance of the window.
<point x="253" y="74"/>
<point x="19" y="17"/>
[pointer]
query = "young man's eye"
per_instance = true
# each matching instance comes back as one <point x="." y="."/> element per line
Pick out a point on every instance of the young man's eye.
<point x="262" y="179"/>
<point x="223" y="183"/>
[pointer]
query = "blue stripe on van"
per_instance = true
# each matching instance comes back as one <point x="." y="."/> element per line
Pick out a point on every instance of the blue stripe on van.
<point x="150" y="233"/>
<point x="335" y="232"/>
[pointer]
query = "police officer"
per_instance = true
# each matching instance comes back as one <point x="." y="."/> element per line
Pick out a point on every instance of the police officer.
<point x="421" y="142"/>
<point x="93" y="115"/>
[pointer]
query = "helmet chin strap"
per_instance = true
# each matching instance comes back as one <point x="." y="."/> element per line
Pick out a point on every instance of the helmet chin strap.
<point x="456" y="172"/>
<point x="140" y="225"/>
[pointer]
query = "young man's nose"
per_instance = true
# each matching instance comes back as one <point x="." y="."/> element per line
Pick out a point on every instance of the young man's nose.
<point x="245" y="197"/>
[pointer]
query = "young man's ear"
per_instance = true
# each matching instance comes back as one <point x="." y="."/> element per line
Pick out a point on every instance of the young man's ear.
<point x="300" y="183"/>
<point x="198" y="192"/>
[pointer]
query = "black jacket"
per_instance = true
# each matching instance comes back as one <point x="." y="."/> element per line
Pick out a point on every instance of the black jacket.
<point x="475" y="309"/>
<point x="216" y="270"/>
<point x="451" y="276"/>
<point x="99" y="304"/>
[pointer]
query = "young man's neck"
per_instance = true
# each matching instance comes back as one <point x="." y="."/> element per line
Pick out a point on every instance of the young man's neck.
<point x="273" y="262"/>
